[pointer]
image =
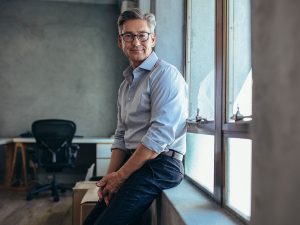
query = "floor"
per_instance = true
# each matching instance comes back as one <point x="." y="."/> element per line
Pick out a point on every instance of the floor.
<point x="15" y="210"/>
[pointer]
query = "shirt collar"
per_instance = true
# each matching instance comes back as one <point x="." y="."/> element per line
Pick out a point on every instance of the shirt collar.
<point x="148" y="64"/>
<point x="127" y="73"/>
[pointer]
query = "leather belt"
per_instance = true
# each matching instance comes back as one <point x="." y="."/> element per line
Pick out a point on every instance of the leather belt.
<point x="171" y="153"/>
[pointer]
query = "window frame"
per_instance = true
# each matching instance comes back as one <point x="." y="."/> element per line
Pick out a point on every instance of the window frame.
<point x="220" y="128"/>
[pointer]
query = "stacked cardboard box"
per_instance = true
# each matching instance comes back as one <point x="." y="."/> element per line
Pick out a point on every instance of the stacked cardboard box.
<point x="88" y="202"/>
<point x="79" y="190"/>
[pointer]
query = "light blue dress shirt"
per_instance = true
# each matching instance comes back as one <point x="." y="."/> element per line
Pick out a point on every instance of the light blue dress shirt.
<point x="152" y="107"/>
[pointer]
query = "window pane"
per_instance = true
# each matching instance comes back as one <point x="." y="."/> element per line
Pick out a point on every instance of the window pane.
<point x="238" y="175"/>
<point x="239" y="58"/>
<point x="199" y="159"/>
<point x="202" y="58"/>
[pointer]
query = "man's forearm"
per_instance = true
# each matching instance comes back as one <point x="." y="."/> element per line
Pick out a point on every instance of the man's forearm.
<point x="141" y="155"/>
<point x="117" y="160"/>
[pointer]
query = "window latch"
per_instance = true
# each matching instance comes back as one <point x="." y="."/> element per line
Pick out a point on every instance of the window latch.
<point x="238" y="116"/>
<point x="200" y="119"/>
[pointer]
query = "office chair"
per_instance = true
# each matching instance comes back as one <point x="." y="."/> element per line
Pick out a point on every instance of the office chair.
<point x="55" y="151"/>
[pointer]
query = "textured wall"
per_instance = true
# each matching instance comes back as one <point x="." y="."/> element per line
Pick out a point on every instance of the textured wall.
<point x="276" y="81"/>
<point x="170" y="31"/>
<point x="59" y="60"/>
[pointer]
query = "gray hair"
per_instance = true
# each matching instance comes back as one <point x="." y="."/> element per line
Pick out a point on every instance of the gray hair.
<point x="135" y="13"/>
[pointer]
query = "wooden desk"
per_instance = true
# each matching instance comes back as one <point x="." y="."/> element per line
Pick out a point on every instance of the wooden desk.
<point x="9" y="147"/>
<point x="15" y="145"/>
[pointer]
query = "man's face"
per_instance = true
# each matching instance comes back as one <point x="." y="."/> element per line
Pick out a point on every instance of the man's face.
<point x="136" y="50"/>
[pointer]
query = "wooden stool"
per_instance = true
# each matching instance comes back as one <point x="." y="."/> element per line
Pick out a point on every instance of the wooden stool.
<point x="22" y="148"/>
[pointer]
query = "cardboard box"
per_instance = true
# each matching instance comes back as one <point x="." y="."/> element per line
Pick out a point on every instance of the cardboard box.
<point x="79" y="191"/>
<point x="88" y="202"/>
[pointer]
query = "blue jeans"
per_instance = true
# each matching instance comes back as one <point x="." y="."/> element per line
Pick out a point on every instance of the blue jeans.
<point x="137" y="192"/>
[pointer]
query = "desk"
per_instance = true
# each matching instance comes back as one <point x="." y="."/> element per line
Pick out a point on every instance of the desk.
<point x="86" y="140"/>
<point x="9" y="147"/>
<point x="14" y="145"/>
<point x="4" y="141"/>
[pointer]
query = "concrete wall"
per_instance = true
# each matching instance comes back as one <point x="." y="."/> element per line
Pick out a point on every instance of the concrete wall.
<point x="276" y="92"/>
<point x="170" y="31"/>
<point x="59" y="60"/>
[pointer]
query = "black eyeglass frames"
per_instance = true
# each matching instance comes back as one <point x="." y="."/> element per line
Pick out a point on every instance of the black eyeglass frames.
<point x="142" y="36"/>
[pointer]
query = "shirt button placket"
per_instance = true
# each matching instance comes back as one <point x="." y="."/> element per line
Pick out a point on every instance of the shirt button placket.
<point x="129" y="93"/>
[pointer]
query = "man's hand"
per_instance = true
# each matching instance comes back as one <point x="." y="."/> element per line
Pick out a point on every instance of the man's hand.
<point x="109" y="185"/>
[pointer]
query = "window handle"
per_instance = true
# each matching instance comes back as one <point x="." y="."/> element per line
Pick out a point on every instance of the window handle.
<point x="238" y="116"/>
<point x="198" y="119"/>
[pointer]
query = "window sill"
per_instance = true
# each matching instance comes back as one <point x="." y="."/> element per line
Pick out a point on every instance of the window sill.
<point x="185" y="205"/>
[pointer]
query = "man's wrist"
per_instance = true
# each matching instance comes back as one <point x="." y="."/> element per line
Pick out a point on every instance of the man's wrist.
<point x="122" y="175"/>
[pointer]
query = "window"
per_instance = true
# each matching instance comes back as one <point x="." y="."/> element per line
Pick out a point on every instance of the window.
<point x="219" y="75"/>
<point x="239" y="58"/>
<point x="238" y="175"/>
<point x="200" y="161"/>
<point x="202" y="59"/>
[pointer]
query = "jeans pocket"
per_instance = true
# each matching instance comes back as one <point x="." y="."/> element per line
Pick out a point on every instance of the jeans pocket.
<point x="167" y="172"/>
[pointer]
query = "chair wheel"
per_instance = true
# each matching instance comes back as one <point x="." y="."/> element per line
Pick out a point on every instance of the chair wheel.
<point x="56" y="198"/>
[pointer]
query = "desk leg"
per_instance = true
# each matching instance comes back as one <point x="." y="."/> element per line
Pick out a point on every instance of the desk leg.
<point x="24" y="170"/>
<point x="9" y="152"/>
<point x="22" y="148"/>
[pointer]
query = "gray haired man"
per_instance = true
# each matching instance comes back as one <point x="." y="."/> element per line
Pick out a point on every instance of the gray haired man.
<point x="150" y="136"/>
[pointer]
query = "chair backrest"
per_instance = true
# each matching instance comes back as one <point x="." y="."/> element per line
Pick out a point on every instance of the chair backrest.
<point x="54" y="139"/>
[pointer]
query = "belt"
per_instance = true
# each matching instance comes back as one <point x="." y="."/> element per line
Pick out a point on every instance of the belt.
<point x="171" y="153"/>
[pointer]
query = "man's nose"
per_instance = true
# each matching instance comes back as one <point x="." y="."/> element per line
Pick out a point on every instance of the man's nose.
<point x="135" y="40"/>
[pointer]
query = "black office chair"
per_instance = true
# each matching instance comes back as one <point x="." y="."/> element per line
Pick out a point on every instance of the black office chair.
<point x="55" y="151"/>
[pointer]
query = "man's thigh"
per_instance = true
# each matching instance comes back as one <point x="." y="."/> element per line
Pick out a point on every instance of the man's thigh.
<point x="132" y="199"/>
<point x="140" y="189"/>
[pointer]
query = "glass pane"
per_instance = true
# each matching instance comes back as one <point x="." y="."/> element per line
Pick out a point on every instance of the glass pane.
<point x="199" y="159"/>
<point x="202" y="58"/>
<point x="238" y="175"/>
<point x="239" y="59"/>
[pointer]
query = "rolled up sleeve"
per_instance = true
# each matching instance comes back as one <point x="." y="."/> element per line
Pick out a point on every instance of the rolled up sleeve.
<point x="120" y="131"/>
<point x="168" y="109"/>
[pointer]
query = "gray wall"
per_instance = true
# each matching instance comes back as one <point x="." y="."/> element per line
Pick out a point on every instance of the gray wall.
<point x="170" y="31"/>
<point x="59" y="60"/>
<point x="276" y="82"/>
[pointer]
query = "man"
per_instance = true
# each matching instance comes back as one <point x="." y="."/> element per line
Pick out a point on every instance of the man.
<point x="150" y="137"/>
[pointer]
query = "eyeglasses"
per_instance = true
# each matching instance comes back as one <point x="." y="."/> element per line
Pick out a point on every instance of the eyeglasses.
<point x="143" y="36"/>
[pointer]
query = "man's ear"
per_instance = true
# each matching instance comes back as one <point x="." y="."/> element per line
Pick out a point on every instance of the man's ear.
<point x="120" y="41"/>
<point x="153" y="39"/>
